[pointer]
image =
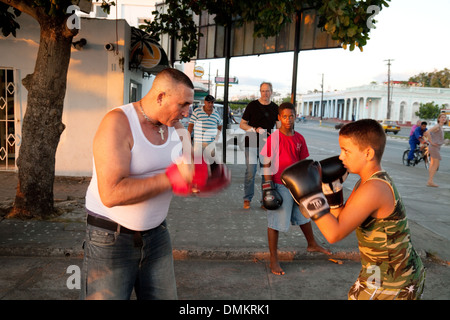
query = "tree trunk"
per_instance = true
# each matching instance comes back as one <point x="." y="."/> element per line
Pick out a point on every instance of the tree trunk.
<point x="42" y="125"/>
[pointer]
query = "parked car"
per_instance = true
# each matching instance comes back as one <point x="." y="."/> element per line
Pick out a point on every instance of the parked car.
<point x="390" y="126"/>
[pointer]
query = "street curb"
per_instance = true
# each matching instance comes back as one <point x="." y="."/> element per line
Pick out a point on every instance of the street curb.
<point x="249" y="255"/>
<point x="192" y="254"/>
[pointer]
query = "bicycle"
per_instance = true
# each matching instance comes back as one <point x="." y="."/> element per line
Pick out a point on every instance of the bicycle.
<point x="419" y="155"/>
<point x="300" y="119"/>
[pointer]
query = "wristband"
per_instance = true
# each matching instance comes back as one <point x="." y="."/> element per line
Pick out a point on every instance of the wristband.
<point x="316" y="205"/>
<point x="319" y="215"/>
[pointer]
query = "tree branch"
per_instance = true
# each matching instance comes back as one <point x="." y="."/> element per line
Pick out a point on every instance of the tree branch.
<point x="25" y="6"/>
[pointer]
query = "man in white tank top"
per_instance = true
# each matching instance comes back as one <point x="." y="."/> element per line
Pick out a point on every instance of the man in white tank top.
<point x="127" y="243"/>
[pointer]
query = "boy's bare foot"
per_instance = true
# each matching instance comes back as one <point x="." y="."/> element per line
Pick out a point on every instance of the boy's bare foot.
<point x="317" y="248"/>
<point x="276" y="268"/>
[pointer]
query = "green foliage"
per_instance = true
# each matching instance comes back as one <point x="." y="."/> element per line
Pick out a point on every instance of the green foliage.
<point x="8" y="23"/>
<point x="347" y="21"/>
<point x="429" y="110"/>
<point x="436" y="79"/>
<point x="51" y="8"/>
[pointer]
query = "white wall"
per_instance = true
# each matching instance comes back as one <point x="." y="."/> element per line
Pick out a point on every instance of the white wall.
<point x="95" y="84"/>
<point x="97" y="81"/>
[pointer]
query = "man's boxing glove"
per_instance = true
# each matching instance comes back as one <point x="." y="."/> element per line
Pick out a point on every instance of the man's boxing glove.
<point x="303" y="179"/>
<point x="180" y="186"/>
<point x="333" y="175"/>
<point x="219" y="177"/>
<point x="272" y="200"/>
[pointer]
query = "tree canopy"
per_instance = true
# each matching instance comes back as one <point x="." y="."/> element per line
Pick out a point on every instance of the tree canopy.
<point x="429" y="110"/>
<point x="436" y="79"/>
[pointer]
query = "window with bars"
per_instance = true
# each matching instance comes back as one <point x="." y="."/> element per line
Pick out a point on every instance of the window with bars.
<point x="7" y="130"/>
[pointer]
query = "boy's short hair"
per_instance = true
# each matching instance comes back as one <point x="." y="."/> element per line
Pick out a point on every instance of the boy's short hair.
<point x="286" y="105"/>
<point x="366" y="133"/>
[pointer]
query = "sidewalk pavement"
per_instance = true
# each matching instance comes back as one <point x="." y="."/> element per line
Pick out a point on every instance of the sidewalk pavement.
<point x="220" y="250"/>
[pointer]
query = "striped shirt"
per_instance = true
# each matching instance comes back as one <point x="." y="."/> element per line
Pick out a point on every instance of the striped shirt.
<point x="205" y="126"/>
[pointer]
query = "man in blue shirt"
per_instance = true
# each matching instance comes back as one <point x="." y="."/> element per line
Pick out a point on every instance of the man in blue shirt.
<point x="415" y="139"/>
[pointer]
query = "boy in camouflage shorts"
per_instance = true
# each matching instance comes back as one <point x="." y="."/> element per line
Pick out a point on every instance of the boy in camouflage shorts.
<point x="391" y="268"/>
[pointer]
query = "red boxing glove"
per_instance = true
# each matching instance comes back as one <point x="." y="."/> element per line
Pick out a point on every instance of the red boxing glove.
<point x="180" y="186"/>
<point x="219" y="178"/>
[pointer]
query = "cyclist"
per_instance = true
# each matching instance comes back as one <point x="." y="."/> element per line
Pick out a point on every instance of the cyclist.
<point x="415" y="139"/>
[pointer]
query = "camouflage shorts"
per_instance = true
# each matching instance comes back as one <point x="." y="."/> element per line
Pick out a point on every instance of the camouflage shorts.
<point x="363" y="291"/>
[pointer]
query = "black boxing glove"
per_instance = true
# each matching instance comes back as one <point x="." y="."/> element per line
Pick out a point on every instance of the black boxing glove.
<point x="303" y="179"/>
<point x="272" y="200"/>
<point x="333" y="175"/>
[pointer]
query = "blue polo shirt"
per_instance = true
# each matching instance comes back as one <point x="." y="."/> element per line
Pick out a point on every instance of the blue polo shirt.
<point x="418" y="132"/>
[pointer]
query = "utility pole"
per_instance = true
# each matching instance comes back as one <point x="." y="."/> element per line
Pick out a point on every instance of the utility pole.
<point x="321" y="104"/>
<point x="388" y="115"/>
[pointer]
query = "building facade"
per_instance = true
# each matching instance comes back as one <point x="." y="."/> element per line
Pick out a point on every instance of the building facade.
<point x="371" y="101"/>
<point x="99" y="78"/>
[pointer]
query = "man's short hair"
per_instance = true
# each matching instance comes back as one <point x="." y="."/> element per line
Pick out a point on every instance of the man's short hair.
<point x="177" y="76"/>
<point x="268" y="83"/>
<point x="210" y="98"/>
<point x="366" y="133"/>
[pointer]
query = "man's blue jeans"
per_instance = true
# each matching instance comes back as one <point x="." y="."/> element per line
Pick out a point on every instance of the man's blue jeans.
<point x="252" y="158"/>
<point x="113" y="265"/>
<point x="412" y="146"/>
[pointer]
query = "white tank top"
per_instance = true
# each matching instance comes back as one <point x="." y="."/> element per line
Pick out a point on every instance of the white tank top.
<point x="147" y="160"/>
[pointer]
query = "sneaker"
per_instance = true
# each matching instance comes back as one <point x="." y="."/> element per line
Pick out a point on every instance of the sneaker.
<point x="246" y="204"/>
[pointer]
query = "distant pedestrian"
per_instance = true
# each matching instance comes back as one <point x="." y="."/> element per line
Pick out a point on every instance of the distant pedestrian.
<point x="414" y="127"/>
<point x="206" y="123"/>
<point x="259" y="119"/>
<point x="435" y="137"/>
<point x="416" y="139"/>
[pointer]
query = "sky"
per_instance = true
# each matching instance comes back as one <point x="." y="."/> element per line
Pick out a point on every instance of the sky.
<point x="413" y="33"/>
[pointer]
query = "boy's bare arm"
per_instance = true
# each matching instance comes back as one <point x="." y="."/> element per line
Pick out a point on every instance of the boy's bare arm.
<point x="373" y="198"/>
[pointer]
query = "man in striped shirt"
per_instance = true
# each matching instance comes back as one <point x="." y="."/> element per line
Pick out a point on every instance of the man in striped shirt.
<point x="207" y="125"/>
